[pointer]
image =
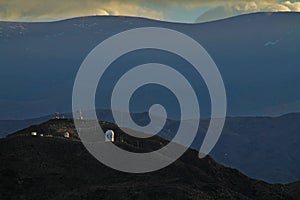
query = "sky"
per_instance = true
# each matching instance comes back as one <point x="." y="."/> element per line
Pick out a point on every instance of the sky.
<point x="187" y="11"/>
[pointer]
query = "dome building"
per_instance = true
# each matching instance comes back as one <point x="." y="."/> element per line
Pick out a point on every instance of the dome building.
<point x="109" y="136"/>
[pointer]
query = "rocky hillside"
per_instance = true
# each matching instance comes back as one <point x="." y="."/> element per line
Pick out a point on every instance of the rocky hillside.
<point x="55" y="167"/>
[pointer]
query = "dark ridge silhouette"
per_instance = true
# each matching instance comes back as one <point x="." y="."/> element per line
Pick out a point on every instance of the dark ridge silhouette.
<point x="264" y="148"/>
<point x="61" y="168"/>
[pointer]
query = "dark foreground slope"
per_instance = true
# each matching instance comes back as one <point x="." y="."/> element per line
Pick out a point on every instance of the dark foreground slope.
<point x="59" y="168"/>
<point x="270" y="144"/>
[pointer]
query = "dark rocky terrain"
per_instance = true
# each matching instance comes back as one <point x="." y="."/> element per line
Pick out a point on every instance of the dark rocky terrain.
<point x="271" y="145"/>
<point x="60" y="168"/>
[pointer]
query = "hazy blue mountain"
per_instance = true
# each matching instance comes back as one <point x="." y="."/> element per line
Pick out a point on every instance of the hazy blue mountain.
<point x="261" y="147"/>
<point x="257" y="55"/>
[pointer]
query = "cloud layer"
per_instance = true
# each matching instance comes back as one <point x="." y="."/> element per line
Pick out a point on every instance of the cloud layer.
<point x="34" y="10"/>
<point x="231" y="9"/>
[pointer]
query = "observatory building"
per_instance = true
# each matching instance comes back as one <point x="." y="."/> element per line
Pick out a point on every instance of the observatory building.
<point x="33" y="133"/>
<point x="67" y="134"/>
<point x="109" y="136"/>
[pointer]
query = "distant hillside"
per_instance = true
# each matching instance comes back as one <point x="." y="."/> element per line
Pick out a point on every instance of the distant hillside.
<point x="59" y="168"/>
<point x="10" y="126"/>
<point x="257" y="55"/>
<point x="262" y="147"/>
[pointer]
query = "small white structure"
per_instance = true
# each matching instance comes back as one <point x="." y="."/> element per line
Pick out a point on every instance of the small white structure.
<point x="56" y="115"/>
<point x="109" y="136"/>
<point x="42" y="135"/>
<point x="67" y="134"/>
<point x="33" y="133"/>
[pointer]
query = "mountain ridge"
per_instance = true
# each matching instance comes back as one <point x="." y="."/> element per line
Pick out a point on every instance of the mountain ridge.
<point x="271" y="144"/>
<point x="58" y="168"/>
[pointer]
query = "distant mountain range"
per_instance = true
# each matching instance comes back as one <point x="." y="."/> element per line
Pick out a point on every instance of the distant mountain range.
<point x="257" y="55"/>
<point x="59" y="168"/>
<point x="264" y="148"/>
